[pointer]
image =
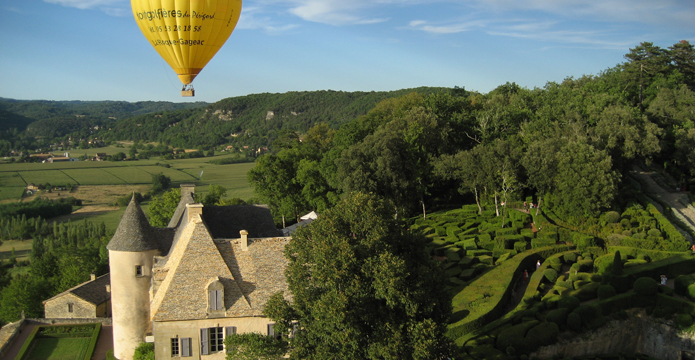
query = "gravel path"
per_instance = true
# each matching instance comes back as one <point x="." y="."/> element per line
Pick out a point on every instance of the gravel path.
<point x="677" y="200"/>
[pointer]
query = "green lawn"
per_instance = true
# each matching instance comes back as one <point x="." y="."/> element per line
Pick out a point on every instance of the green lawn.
<point x="58" y="349"/>
<point x="21" y="249"/>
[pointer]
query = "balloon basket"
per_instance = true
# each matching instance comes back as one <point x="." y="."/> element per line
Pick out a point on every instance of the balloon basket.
<point x="188" y="93"/>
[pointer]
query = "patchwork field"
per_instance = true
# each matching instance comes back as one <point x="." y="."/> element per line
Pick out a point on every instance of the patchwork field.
<point x="101" y="183"/>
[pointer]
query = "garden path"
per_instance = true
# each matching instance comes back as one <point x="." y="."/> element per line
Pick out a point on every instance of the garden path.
<point x="677" y="200"/>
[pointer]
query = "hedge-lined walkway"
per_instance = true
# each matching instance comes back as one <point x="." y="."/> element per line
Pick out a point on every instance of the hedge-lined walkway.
<point x="676" y="200"/>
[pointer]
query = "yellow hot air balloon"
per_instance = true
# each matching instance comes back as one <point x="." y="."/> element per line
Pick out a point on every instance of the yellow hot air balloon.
<point x="186" y="33"/>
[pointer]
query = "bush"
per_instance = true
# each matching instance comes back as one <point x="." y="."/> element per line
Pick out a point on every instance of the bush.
<point x="604" y="264"/>
<point x="543" y="334"/>
<point x="574" y="322"/>
<point x="681" y="283"/>
<point x="591" y="315"/>
<point x="514" y="336"/>
<point x="684" y="320"/>
<point x="558" y="316"/>
<point x="569" y="258"/>
<point x="144" y="351"/>
<point x="550" y="274"/>
<point x="611" y="217"/>
<point x="691" y="292"/>
<point x="605" y="291"/>
<point x="568" y="302"/>
<point x="555" y="263"/>
<point x="646" y="286"/>
<point x="654" y="232"/>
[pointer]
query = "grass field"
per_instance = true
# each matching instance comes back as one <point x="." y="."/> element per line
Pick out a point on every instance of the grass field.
<point x="101" y="183"/>
<point x="21" y="249"/>
<point x="58" y="349"/>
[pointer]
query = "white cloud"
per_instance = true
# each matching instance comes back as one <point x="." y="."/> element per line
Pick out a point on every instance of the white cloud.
<point x="451" y="28"/>
<point x="671" y="12"/>
<point x="252" y="18"/>
<point x="86" y="4"/>
<point x="110" y="7"/>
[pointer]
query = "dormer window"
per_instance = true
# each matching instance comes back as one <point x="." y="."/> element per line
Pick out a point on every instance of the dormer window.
<point x="215" y="296"/>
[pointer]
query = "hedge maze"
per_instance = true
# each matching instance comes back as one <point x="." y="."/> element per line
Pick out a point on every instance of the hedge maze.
<point x="589" y="274"/>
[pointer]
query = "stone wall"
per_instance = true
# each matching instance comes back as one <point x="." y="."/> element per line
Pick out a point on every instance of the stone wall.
<point x="640" y="333"/>
<point x="59" y="308"/>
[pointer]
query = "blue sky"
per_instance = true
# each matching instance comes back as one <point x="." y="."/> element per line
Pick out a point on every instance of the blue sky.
<point x="93" y="50"/>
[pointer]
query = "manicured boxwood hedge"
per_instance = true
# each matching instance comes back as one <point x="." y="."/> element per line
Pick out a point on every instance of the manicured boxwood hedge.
<point x="497" y="283"/>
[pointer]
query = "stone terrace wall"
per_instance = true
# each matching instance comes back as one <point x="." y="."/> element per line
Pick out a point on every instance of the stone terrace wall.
<point x="657" y="338"/>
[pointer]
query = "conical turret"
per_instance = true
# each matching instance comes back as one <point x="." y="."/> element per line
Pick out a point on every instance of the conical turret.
<point x="134" y="232"/>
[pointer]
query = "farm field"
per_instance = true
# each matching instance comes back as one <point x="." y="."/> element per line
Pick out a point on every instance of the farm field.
<point x="101" y="183"/>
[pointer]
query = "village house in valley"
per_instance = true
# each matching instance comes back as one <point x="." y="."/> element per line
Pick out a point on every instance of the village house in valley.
<point x="187" y="286"/>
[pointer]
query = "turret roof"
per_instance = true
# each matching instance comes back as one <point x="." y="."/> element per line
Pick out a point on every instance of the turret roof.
<point x="134" y="232"/>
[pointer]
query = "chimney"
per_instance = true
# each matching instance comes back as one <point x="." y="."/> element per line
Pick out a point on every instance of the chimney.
<point x="92" y="277"/>
<point x="108" y="288"/>
<point x="194" y="209"/>
<point x="244" y="240"/>
<point x="187" y="189"/>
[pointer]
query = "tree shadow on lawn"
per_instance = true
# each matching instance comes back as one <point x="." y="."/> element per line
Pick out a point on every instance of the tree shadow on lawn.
<point x="459" y="315"/>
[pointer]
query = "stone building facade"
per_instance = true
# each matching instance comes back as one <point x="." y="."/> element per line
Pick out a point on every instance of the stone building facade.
<point x="91" y="299"/>
<point x="186" y="287"/>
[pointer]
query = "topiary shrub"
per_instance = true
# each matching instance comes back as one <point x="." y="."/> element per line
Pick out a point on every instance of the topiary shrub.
<point x="514" y="336"/>
<point x="691" y="292"/>
<point x="554" y="263"/>
<point x="646" y="286"/>
<point x="543" y="334"/>
<point x="605" y="291"/>
<point x="591" y="315"/>
<point x="611" y="217"/>
<point x="654" y="232"/>
<point x="604" y="264"/>
<point x="568" y="302"/>
<point x="569" y="258"/>
<point x="627" y="233"/>
<point x="684" y="320"/>
<point x="574" y="322"/>
<point x="558" y="316"/>
<point x="550" y="274"/>
<point x="681" y="283"/>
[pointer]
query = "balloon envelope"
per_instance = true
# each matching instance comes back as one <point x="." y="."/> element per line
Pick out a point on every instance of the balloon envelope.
<point x="186" y="33"/>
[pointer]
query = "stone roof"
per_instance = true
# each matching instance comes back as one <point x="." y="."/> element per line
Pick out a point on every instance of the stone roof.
<point x="134" y="232"/>
<point x="249" y="277"/>
<point x="93" y="291"/>
<point x="187" y="197"/>
<point x="225" y="222"/>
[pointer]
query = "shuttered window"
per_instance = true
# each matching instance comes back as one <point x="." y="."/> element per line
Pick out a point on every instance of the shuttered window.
<point x="204" y="342"/>
<point x="230" y="330"/>
<point x="186" y="347"/>
<point x="215" y="300"/>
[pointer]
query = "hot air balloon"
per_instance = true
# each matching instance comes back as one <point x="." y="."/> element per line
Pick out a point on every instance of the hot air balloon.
<point x="186" y="33"/>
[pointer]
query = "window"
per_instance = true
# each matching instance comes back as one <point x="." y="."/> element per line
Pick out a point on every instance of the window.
<point x="216" y="302"/>
<point x="211" y="340"/>
<point x="181" y="347"/>
<point x="229" y="330"/>
<point x="70" y="307"/>
<point x="175" y="347"/>
<point x="271" y="332"/>
<point x="138" y="270"/>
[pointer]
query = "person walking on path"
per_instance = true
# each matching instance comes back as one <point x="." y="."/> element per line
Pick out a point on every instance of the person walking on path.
<point x="538" y="264"/>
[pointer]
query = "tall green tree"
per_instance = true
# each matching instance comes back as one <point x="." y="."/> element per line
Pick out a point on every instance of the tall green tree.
<point x="162" y="207"/>
<point x="362" y="287"/>
<point x="254" y="346"/>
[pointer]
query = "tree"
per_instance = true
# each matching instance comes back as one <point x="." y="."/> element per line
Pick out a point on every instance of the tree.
<point x="160" y="182"/>
<point x="254" y="346"/>
<point x="162" y="207"/>
<point x="363" y="287"/>
<point x="214" y="195"/>
<point x="24" y="293"/>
